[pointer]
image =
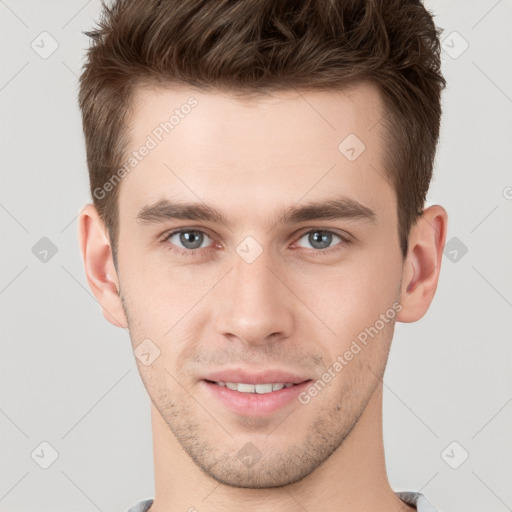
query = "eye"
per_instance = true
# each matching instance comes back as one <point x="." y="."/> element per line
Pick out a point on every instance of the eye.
<point x="321" y="239"/>
<point x="188" y="239"/>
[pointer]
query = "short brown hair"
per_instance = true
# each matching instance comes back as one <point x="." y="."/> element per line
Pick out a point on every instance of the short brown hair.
<point x="255" y="46"/>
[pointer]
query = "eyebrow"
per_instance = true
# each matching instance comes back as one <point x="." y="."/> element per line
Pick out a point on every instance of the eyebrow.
<point x="330" y="209"/>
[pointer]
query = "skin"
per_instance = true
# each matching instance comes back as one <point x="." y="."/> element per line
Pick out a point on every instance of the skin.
<point x="291" y="308"/>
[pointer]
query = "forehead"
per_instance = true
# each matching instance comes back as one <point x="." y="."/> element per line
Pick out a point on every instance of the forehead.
<point x="269" y="149"/>
<point x="259" y="119"/>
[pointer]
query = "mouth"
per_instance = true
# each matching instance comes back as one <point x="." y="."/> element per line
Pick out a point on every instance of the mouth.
<point x="261" y="389"/>
<point x="254" y="399"/>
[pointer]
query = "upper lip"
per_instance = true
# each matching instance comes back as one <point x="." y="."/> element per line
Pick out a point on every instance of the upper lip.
<point x="268" y="376"/>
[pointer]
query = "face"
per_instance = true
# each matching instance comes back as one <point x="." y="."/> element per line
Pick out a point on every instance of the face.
<point x="258" y="244"/>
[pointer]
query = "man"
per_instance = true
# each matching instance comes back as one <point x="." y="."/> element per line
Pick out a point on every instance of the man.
<point x="259" y="171"/>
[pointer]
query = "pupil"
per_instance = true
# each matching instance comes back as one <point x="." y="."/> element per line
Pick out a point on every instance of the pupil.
<point x="187" y="237"/>
<point x="323" y="240"/>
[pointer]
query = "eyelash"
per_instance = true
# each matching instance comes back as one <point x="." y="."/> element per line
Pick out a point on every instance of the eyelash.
<point x="193" y="252"/>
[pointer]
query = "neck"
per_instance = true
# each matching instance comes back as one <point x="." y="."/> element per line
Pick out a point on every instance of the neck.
<point x="352" y="479"/>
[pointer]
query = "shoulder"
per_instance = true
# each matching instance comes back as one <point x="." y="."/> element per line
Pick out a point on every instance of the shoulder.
<point x="418" y="500"/>
<point x="141" y="506"/>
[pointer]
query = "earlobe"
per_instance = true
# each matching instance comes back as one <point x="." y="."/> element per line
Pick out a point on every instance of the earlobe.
<point x="423" y="263"/>
<point x="99" y="266"/>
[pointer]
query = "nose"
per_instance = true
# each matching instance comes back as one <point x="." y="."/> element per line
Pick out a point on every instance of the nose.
<point x="253" y="304"/>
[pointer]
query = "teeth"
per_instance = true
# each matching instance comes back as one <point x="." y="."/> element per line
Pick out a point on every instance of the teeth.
<point x="263" y="388"/>
<point x="254" y="388"/>
<point x="246" y="388"/>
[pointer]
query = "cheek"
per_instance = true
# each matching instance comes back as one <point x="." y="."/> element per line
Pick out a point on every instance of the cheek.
<point x="155" y="284"/>
<point x="352" y="296"/>
<point x="164" y="302"/>
<point x="347" y="294"/>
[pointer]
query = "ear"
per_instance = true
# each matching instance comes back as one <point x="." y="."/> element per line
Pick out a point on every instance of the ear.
<point x="99" y="265"/>
<point x="423" y="263"/>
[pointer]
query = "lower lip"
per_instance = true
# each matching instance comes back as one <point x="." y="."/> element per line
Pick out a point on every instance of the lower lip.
<point x="255" y="404"/>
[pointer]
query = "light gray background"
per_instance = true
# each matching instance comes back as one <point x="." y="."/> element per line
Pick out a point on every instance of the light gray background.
<point x="69" y="378"/>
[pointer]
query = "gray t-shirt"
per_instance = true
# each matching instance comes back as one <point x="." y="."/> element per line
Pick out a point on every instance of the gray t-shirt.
<point x="411" y="498"/>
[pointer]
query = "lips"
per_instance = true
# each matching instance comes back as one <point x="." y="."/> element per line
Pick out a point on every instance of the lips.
<point x="243" y="387"/>
<point x="253" y="393"/>
<point x="240" y="375"/>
